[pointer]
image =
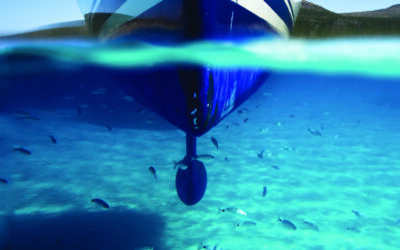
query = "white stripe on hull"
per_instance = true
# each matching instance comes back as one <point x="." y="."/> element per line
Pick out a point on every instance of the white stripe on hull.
<point x="290" y="9"/>
<point x="262" y="10"/>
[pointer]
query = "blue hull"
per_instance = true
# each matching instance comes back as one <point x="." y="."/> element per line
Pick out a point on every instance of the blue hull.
<point x="193" y="98"/>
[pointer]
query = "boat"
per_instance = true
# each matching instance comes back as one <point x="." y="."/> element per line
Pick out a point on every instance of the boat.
<point x="194" y="98"/>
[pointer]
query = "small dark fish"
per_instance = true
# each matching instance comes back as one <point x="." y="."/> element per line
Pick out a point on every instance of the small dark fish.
<point x="353" y="229"/>
<point x="246" y="223"/>
<point x="314" y="132"/>
<point x="79" y="111"/>
<point x="264" y="193"/>
<point x="100" y="202"/>
<point x="356" y="213"/>
<point x="205" y="156"/>
<point x="153" y="171"/>
<point x="109" y="127"/>
<point x="275" y="167"/>
<point x="180" y="163"/>
<point x="260" y="154"/>
<point x="34" y="118"/>
<point x="53" y="140"/>
<point x="141" y="111"/>
<point x="291" y="115"/>
<point x="227" y="126"/>
<point x="358" y="123"/>
<point x="245" y="120"/>
<point x="21" y="113"/>
<point x="215" y="142"/>
<point x="226" y="159"/>
<point x="243" y="110"/>
<point x="311" y="225"/>
<point x="209" y="247"/>
<point x="288" y="224"/>
<point x="22" y="150"/>
<point x="4" y="181"/>
<point x="322" y="127"/>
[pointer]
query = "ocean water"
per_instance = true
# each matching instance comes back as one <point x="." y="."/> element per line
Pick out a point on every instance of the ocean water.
<point x="322" y="135"/>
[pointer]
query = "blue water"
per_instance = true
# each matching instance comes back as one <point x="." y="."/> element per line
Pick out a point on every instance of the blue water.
<point x="321" y="134"/>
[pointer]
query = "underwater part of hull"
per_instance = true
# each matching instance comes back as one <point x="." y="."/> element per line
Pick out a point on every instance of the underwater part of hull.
<point x="193" y="98"/>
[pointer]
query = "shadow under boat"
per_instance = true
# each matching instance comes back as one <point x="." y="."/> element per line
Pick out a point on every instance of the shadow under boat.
<point x="113" y="229"/>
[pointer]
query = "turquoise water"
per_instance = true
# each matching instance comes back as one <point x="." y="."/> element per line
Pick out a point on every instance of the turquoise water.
<point x="365" y="56"/>
<point x="321" y="134"/>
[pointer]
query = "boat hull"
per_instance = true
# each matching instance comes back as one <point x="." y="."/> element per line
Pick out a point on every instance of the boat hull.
<point x="194" y="98"/>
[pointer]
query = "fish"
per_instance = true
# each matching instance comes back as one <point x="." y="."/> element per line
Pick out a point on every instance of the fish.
<point x="108" y="127"/>
<point x="141" y="111"/>
<point x="294" y="149"/>
<point x="22" y="150"/>
<point x="210" y="247"/>
<point x="288" y="224"/>
<point x="353" y="229"/>
<point x="245" y="120"/>
<point x="179" y="164"/>
<point x="260" y="154"/>
<point x="358" y="123"/>
<point x="243" y="111"/>
<point x="356" y="213"/>
<point x="275" y="167"/>
<point x="101" y="203"/>
<point x="264" y="193"/>
<point x="205" y="156"/>
<point x="215" y="142"/>
<point x="314" y="132"/>
<point x="4" y="181"/>
<point x="226" y="159"/>
<point x="21" y="113"/>
<point x="233" y="210"/>
<point x="34" y="118"/>
<point x="80" y="111"/>
<point x="153" y="171"/>
<point x="311" y="225"/>
<point x="53" y="140"/>
<point x="246" y="223"/>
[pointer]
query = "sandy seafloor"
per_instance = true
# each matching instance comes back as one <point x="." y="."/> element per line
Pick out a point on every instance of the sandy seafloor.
<point x="353" y="166"/>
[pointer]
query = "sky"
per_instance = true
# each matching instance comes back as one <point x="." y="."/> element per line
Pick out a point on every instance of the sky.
<point x="342" y="6"/>
<point x="22" y="15"/>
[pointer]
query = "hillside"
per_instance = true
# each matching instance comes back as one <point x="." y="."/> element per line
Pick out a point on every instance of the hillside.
<point x="393" y="11"/>
<point x="56" y="31"/>
<point x="316" y="22"/>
